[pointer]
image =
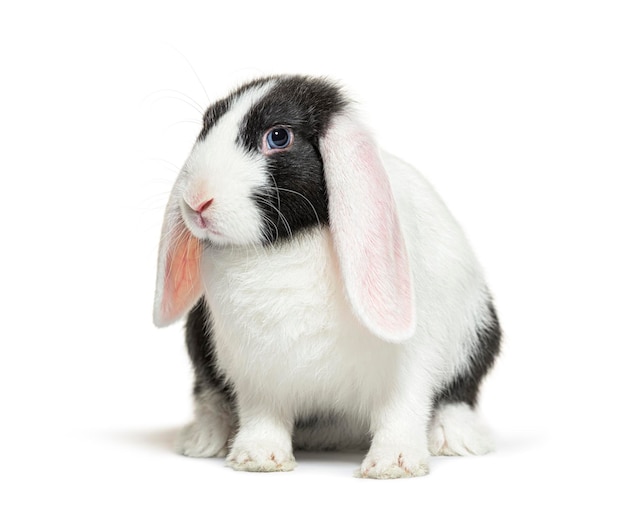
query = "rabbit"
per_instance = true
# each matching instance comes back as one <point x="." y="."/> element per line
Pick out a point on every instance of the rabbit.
<point x="332" y="301"/>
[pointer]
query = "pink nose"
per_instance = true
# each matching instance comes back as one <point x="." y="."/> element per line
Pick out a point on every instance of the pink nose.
<point x="201" y="207"/>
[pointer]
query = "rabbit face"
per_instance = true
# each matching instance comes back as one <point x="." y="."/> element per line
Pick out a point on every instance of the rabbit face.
<point x="255" y="175"/>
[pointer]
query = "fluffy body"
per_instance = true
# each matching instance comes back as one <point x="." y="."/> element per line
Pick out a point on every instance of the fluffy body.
<point x="281" y="354"/>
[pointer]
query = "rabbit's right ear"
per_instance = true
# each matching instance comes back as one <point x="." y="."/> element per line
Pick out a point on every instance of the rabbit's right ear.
<point x="179" y="284"/>
<point x="365" y="227"/>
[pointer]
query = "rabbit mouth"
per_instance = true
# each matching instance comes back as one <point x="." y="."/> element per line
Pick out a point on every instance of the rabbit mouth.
<point x="200" y="223"/>
<point x="206" y="225"/>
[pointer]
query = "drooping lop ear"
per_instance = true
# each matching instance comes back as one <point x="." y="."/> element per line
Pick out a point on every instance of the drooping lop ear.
<point x="366" y="231"/>
<point x="179" y="285"/>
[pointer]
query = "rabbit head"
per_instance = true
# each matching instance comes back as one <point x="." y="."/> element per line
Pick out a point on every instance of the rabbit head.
<point x="276" y="157"/>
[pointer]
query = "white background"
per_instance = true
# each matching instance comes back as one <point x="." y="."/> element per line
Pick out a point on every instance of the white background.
<point x="516" y="111"/>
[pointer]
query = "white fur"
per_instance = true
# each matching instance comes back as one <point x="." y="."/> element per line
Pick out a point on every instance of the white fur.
<point x="218" y="169"/>
<point x="208" y="434"/>
<point x="287" y="338"/>
<point x="456" y="429"/>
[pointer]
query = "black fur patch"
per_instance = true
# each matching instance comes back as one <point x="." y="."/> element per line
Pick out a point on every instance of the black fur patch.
<point x="219" y="108"/>
<point x="296" y="197"/>
<point x="202" y="352"/>
<point x="465" y="387"/>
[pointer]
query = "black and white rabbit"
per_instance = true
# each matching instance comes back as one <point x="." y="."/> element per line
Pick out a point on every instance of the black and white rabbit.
<point x="332" y="299"/>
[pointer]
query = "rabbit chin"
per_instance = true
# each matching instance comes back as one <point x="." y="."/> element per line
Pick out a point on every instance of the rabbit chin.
<point x="218" y="238"/>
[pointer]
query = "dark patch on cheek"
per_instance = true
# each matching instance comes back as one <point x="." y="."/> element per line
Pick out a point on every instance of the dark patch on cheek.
<point x="296" y="197"/>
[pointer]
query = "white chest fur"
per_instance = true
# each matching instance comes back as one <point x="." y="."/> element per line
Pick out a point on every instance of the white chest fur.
<point x="284" y="330"/>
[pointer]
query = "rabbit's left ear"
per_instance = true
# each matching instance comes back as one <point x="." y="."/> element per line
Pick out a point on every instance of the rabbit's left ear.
<point x="179" y="284"/>
<point x="366" y="231"/>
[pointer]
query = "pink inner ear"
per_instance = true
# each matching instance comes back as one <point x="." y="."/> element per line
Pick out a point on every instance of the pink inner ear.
<point x="366" y="231"/>
<point x="179" y="284"/>
<point x="182" y="276"/>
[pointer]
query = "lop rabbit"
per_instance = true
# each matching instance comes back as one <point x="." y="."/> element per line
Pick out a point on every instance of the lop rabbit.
<point x="332" y="301"/>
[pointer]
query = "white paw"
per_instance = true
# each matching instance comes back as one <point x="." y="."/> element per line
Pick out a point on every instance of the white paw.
<point x="393" y="464"/>
<point x="456" y="429"/>
<point x="203" y="439"/>
<point x="264" y="457"/>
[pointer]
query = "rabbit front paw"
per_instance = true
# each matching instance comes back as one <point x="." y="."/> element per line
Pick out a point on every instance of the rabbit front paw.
<point x="203" y="439"/>
<point x="263" y="457"/>
<point x="383" y="464"/>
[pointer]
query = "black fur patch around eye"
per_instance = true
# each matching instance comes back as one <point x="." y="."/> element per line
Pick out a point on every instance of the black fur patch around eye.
<point x="296" y="196"/>
<point x="304" y="103"/>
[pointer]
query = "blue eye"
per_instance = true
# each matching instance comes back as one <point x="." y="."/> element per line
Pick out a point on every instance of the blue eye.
<point x="279" y="138"/>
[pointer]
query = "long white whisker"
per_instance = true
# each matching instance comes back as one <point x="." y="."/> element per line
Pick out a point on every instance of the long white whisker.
<point x="192" y="104"/>
<point x="305" y="198"/>
<point x="195" y="122"/>
<point x="189" y="98"/>
<point x="194" y="72"/>
<point x="268" y="236"/>
<point x="277" y="191"/>
<point x="280" y="215"/>
<point x="174" y="168"/>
